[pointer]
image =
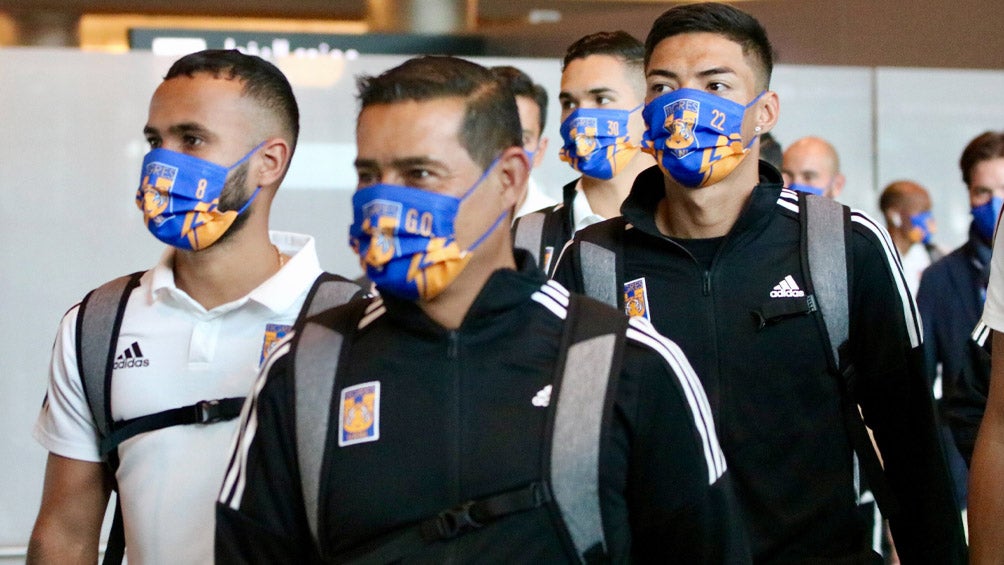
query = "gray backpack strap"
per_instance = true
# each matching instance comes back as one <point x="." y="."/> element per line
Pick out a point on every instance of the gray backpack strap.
<point x="575" y="451"/>
<point x="584" y="400"/>
<point x="825" y="228"/>
<point x="529" y="234"/>
<point x="826" y="247"/>
<point x="315" y="362"/>
<point x="316" y="349"/>
<point x="327" y="292"/>
<point x="599" y="272"/>
<point x="98" y="322"/>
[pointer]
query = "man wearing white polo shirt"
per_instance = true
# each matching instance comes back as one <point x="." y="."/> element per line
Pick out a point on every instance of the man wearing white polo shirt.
<point x="222" y="128"/>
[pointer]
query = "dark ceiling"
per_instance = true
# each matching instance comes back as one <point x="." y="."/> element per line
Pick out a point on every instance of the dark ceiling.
<point x="916" y="33"/>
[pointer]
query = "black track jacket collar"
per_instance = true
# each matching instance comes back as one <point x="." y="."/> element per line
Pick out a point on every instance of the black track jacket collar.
<point x="504" y="290"/>
<point x="648" y="190"/>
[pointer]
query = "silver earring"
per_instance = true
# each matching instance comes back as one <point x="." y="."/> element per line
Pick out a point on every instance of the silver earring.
<point x="756" y="128"/>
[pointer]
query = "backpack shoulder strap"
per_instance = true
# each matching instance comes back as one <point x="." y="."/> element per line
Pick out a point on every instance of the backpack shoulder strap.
<point x="826" y="232"/>
<point x="316" y="352"/>
<point x="528" y="233"/>
<point x="98" y="322"/>
<point x="600" y="262"/>
<point x="328" y="291"/>
<point x="543" y="234"/>
<point x="584" y="389"/>
<point x="825" y="229"/>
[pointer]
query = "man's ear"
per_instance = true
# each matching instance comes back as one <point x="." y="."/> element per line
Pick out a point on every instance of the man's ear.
<point x="272" y="161"/>
<point x="514" y="172"/>
<point x="838" y="185"/>
<point x="768" y="108"/>
<point x="538" y="157"/>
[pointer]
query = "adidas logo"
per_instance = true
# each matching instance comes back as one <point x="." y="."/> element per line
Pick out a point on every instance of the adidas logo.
<point x="131" y="357"/>
<point x="543" y="397"/>
<point x="787" y="288"/>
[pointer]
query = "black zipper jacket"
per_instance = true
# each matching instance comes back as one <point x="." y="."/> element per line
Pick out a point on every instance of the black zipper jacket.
<point x="950" y="298"/>
<point x="458" y="421"/>
<point x="776" y="402"/>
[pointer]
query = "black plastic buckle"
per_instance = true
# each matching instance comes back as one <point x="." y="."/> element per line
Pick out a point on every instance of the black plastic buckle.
<point x="541" y="494"/>
<point x="208" y="411"/>
<point x="455" y="521"/>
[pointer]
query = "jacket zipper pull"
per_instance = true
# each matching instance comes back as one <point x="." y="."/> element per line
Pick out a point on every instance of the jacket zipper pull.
<point x="453" y="347"/>
<point x="706" y="287"/>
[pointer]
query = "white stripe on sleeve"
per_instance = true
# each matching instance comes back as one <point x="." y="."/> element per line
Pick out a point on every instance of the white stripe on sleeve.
<point x="641" y="331"/>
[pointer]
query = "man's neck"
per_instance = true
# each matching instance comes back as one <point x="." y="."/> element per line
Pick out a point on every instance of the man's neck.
<point x="450" y="307"/>
<point x="606" y="196"/>
<point x="710" y="211"/>
<point x="902" y="242"/>
<point x="229" y="269"/>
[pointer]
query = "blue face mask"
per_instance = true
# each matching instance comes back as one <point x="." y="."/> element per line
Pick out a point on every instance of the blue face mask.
<point x="696" y="136"/>
<point x="596" y="141"/>
<point x="406" y="240"/>
<point x="179" y="196"/>
<point x="922" y="227"/>
<point x="806" y="188"/>
<point x="985" y="217"/>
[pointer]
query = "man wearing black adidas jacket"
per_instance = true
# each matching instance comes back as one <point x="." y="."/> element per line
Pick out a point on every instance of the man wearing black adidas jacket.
<point x="709" y="250"/>
<point x="445" y="398"/>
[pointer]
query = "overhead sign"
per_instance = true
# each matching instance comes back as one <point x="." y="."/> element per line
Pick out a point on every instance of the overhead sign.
<point x="267" y="45"/>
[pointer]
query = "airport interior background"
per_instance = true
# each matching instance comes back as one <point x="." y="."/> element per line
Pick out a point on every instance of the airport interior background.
<point x="898" y="87"/>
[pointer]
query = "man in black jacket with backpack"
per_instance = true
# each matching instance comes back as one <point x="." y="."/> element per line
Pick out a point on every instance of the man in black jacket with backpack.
<point x="474" y="412"/>
<point x="713" y="251"/>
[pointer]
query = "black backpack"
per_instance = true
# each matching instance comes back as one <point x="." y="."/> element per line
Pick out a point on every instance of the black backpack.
<point x="586" y="372"/>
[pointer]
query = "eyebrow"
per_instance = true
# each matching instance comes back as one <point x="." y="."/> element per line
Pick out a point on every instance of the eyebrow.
<point x="714" y="71"/>
<point x="564" y="95"/>
<point x="401" y="163"/>
<point x="181" y="129"/>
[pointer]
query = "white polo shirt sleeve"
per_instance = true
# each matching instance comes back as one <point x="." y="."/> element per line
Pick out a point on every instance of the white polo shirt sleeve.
<point x="65" y="426"/>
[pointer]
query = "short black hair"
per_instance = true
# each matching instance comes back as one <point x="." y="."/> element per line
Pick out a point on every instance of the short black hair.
<point x="721" y="19"/>
<point x="263" y="81"/>
<point x="491" y="120"/>
<point x="770" y="150"/>
<point x="522" y="85"/>
<point x="620" y="44"/>
<point x="986" y="146"/>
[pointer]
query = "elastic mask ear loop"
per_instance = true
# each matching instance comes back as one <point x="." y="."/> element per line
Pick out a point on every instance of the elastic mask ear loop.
<point x="633" y="143"/>
<point x="237" y="164"/>
<point x="484" y="236"/>
<point x="498" y="220"/>
<point x="246" y="157"/>
<point x="481" y="179"/>
<point x="756" y="133"/>
<point x="250" y="200"/>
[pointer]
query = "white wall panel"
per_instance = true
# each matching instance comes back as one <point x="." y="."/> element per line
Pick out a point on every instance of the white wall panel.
<point x="834" y="103"/>
<point x="925" y="119"/>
